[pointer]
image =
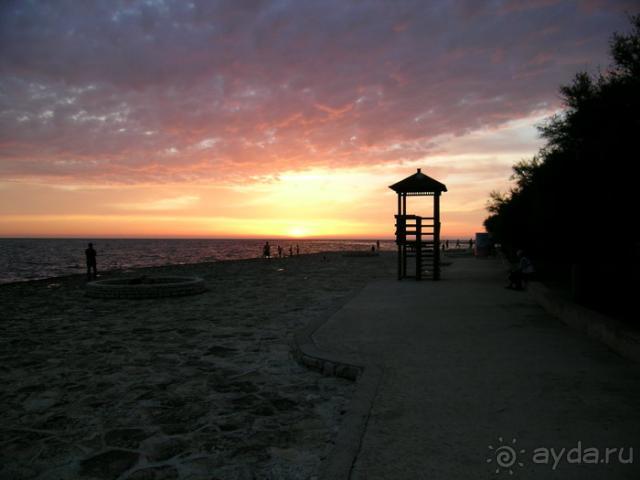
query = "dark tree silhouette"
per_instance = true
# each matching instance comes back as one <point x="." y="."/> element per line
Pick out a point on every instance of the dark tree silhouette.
<point x="573" y="206"/>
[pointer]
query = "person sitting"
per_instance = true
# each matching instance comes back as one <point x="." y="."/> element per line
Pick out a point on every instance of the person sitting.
<point x="522" y="273"/>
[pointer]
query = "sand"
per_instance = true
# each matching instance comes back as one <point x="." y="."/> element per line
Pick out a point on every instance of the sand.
<point x="192" y="387"/>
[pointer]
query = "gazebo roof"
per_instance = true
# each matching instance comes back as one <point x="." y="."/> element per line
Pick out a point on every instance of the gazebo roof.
<point x="417" y="184"/>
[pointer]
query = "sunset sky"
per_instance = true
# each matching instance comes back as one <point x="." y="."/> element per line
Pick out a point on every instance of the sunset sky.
<point x="283" y="118"/>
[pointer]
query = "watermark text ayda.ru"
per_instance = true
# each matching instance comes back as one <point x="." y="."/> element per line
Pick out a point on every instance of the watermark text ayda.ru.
<point x="507" y="456"/>
<point x="579" y="454"/>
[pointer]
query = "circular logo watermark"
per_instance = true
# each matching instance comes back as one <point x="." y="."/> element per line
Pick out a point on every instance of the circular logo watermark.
<point x="505" y="456"/>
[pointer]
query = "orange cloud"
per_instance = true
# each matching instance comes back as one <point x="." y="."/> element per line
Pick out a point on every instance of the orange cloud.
<point x="260" y="95"/>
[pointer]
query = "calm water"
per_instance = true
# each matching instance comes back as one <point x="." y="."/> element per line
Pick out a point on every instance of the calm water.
<point x="31" y="259"/>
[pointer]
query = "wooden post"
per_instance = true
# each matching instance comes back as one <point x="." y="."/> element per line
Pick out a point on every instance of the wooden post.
<point x="404" y="238"/>
<point x="418" y="248"/>
<point x="404" y="260"/>
<point x="398" y="238"/>
<point x="436" y="236"/>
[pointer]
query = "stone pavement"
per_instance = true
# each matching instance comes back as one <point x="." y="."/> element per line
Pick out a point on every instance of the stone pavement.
<point x="470" y="369"/>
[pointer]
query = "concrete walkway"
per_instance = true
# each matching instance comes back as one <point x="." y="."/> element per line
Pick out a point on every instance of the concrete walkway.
<point x="467" y="363"/>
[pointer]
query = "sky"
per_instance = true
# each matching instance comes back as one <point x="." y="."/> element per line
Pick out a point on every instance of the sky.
<point x="276" y="118"/>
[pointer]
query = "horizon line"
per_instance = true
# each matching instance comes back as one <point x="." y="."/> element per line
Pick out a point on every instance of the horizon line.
<point x="185" y="237"/>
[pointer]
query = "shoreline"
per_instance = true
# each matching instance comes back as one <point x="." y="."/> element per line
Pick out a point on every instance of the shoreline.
<point x="37" y="259"/>
<point x="104" y="273"/>
<point x="175" y="386"/>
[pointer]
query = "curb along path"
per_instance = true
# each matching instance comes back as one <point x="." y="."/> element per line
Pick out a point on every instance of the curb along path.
<point x="339" y="464"/>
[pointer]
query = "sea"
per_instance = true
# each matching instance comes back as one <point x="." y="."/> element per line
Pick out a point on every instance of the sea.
<point x="23" y="259"/>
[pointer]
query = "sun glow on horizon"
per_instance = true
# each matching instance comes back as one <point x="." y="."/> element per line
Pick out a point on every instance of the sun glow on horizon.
<point x="298" y="232"/>
<point x="235" y="132"/>
<point x="316" y="202"/>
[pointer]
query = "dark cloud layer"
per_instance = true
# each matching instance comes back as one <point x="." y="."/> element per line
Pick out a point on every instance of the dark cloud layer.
<point x="168" y="91"/>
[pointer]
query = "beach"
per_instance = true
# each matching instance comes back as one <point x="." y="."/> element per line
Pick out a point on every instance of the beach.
<point x="191" y="387"/>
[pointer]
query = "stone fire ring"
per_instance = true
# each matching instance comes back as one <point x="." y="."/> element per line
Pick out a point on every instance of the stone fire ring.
<point x="145" y="287"/>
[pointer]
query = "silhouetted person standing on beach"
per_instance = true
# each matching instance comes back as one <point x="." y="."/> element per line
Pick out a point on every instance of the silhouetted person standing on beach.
<point x="297" y="249"/>
<point x="266" y="250"/>
<point x="92" y="266"/>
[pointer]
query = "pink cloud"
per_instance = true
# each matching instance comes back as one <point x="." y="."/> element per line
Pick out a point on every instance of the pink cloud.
<point x="101" y="92"/>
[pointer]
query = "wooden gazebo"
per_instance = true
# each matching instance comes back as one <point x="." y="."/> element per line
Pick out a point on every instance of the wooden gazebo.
<point x="418" y="237"/>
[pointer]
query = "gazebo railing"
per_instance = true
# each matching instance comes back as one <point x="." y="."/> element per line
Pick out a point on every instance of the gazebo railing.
<point x="417" y="237"/>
